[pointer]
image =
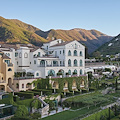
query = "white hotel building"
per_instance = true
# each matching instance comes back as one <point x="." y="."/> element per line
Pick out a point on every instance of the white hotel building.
<point x="53" y="57"/>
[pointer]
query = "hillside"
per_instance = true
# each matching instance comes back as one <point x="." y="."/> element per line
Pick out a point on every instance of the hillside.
<point x="15" y="31"/>
<point x="112" y="47"/>
<point x="18" y="32"/>
<point x="93" y="39"/>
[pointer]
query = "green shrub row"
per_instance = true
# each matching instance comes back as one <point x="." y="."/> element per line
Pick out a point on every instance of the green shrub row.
<point x="77" y="92"/>
<point x="69" y="94"/>
<point x="44" y="92"/>
<point x="8" y="100"/>
<point x="26" y="102"/>
<point x="25" y="95"/>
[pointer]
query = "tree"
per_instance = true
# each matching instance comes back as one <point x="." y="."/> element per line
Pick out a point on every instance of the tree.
<point x="97" y="54"/>
<point x="21" y="111"/>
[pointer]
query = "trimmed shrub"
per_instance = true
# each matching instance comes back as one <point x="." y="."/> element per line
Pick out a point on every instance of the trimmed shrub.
<point x="16" y="98"/>
<point x="92" y="89"/>
<point x="21" y="111"/>
<point x="84" y="91"/>
<point x="45" y="92"/>
<point x="77" y="92"/>
<point x="25" y="95"/>
<point x="26" y="102"/>
<point x="34" y="92"/>
<point x="69" y="94"/>
<point x="8" y="100"/>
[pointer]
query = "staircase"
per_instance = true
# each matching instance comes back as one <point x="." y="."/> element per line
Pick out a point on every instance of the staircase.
<point x="45" y="109"/>
<point x="9" y="89"/>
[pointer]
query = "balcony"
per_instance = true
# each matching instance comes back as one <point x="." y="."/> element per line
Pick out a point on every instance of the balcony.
<point x="54" y="65"/>
<point x="73" y="87"/>
<point x="65" y="88"/>
<point x="22" y="78"/>
<point x="82" y="86"/>
<point x="3" y="81"/>
<point x="10" y="65"/>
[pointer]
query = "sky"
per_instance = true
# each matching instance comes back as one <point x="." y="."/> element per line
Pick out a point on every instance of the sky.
<point x="102" y="15"/>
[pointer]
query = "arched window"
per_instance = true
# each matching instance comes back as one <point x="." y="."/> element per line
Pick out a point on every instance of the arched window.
<point x="80" y="53"/>
<point x="80" y="72"/>
<point x="8" y="54"/>
<point x="38" y="54"/>
<point x="60" y="72"/>
<point x="81" y="64"/>
<point x="51" y="73"/>
<point x="25" y="55"/>
<point x="75" y="46"/>
<point x="69" y="62"/>
<point x="9" y="69"/>
<point x="75" y="72"/>
<point x="42" y="63"/>
<point x="22" y="85"/>
<point x="69" y="53"/>
<point x="69" y="72"/>
<point x="17" y="85"/>
<point x="37" y="74"/>
<point x="75" y="52"/>
<point x="75" y="62"/>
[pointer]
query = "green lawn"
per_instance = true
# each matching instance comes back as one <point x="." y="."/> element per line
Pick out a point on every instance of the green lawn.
<point x="69" y="115"/>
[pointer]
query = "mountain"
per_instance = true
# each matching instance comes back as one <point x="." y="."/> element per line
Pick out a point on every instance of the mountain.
<point x="16" y="31"/>
<point x="111" y="48"/>
<point x="90" y="38"/>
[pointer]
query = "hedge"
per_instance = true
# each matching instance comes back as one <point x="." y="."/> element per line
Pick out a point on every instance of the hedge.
<point x="25" y="95"/>
<point x="92" y="89"/>
<point x="8" y="100"/>
<point x="26" y="102"/>
<point x="76" y="92"/>
<point x="44" y="92"/>
<point x="69" y="94"/>
<point x="16" y="98"/>
<point x="84" y="90"/>
<point x="34" y="92"/>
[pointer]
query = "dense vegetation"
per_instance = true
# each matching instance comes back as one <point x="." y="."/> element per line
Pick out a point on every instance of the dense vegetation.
<point x="110" y="48"/>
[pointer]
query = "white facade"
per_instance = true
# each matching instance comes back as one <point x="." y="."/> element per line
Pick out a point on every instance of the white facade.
<point x="55" y="57"/>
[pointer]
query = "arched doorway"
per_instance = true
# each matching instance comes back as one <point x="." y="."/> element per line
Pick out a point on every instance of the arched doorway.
<point x="74" y="83"/>
<point x="42" y="63"/>
<point x="51" y="73"/>
<point x="55" y="85"/>
<point x="2" y="88"/>
<point x="61" y="72"/>
<point x="9" y="81"/>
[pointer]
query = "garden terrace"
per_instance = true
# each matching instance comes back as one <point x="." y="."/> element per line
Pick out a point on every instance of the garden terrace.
<point x="69" y="83"/>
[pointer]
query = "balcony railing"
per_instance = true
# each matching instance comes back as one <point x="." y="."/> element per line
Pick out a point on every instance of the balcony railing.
<point x="10" y="65"/>
<point x="27" y="77"/>
<point x="54" y="65"/>
<point x="2" y="81"/>
<point x="65" y="88"/>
